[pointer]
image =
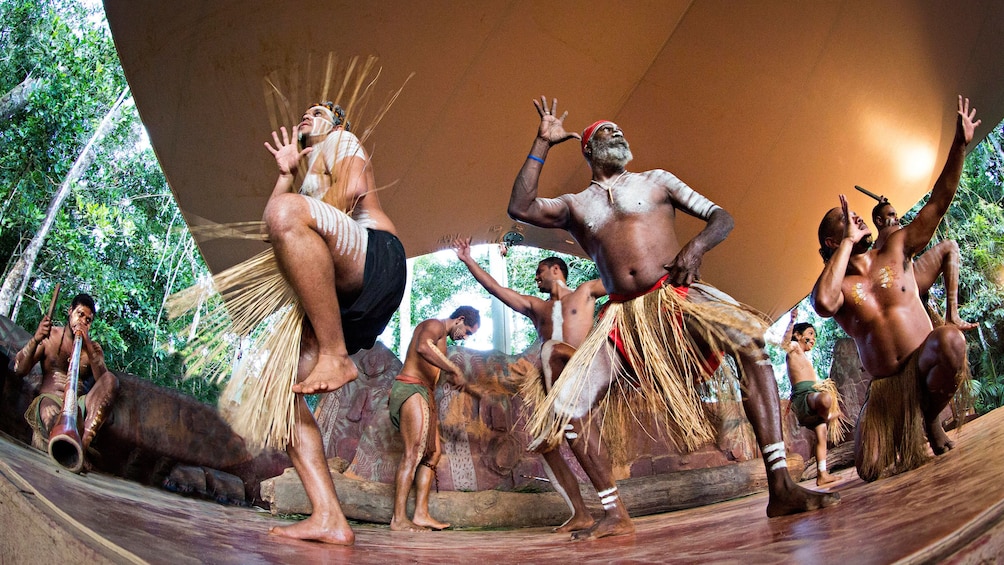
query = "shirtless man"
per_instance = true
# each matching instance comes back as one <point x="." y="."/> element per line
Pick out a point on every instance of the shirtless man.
<point x="412" y="403"/>
<point x="943" y="258"/>
<point x="52" y="347"/>
<point x="340" y="254"/>
<point x="626" y="223"/>
<point x="873" y="295"/>
<point x="814" y="407"/>
<point x="562" y="322"/>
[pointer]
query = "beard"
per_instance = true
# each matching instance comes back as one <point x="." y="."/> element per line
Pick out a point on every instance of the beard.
<point x="614" y="151"/>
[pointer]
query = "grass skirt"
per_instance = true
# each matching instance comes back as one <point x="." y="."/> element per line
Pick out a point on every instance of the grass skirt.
<point x="251" y="336"/>
<point x="891" y="426"/>
<point x="663" y="376"/>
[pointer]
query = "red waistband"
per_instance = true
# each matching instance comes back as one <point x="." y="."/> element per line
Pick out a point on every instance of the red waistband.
<point x="410" y="380"/>
<point x="681" y="290"/>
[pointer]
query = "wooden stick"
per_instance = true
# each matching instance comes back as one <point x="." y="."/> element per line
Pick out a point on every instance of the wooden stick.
<point x="55" y="296"/>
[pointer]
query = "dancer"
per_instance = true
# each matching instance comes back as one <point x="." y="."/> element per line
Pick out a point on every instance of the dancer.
<point x="412" y="404"/>
<point x="562" y="322"/>
<point x="816" y="403"/>
<point x="873" y="295"/>
<point x="941" y="259"/>
<point x="662" y="332"/>
<point x="339" y="252"/>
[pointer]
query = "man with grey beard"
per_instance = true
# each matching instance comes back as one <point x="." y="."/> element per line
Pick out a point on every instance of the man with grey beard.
<point x="664" y="331"/>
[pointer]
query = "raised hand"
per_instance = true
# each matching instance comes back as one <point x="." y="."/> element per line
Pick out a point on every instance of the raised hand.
<point x="552" y="128"/>
<point x="44" y="327"/>
<point x="463" y="248"/>
<point x="286" y="152"/>
<point x="854" y="226"/>
<point x="966" y="126"/>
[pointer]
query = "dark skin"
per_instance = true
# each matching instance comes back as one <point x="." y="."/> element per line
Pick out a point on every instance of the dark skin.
<point x="323" y="270"/>
<point x="873" y="293"/>
<point x="941" y="259"/>
<point x="797" y="346"/>
<point x="626" y="222"/>
<point x="51" y="347"/>
<point x="425" y="359"/>
<point x="577" y="307"/>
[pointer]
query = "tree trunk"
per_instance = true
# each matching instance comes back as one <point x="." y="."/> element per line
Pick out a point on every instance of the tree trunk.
<point x="17" y="98"/>
<point x="20" y="274"/>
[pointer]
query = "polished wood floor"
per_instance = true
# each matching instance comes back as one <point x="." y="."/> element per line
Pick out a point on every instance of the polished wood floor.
<point x="951" y="510"/>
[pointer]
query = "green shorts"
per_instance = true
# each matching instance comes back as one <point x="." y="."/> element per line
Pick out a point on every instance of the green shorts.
<point x="399" y="393"/>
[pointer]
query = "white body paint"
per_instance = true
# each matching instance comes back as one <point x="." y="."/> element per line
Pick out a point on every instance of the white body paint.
<point x="334" y="148"/>
<point x="577" y="406"/>
<point x="557" y="322"/>
<point x="775" y="454"/>
<point x="351" y="239"/>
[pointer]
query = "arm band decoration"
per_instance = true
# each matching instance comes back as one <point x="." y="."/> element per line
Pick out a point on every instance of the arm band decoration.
<point x="535" y="158"/>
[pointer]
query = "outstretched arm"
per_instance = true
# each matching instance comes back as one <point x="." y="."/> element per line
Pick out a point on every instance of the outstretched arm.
<point x="790" y="331"/>
<point x="518" y="302"/>
<point x="524" y="205"/>
<point x="287" y="156"/>
<point x="827" y="294"/>
<point x="920" y="231"/>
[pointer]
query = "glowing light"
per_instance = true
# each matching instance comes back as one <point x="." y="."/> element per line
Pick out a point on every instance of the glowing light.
<point x="916" y="162"/>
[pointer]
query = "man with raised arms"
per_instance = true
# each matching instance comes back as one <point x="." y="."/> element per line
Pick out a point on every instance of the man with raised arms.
<point x="816" y="403"/>
<point x="412" y="404"/>
<point x="562" y="322"/>
<point x="662" y="332"/>
<point x="873" y="295"/>
<point x="340" y="254"/>
<point x="941" y="259"/>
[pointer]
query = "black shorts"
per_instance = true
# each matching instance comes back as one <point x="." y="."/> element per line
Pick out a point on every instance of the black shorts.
<point x="384" y="279"/>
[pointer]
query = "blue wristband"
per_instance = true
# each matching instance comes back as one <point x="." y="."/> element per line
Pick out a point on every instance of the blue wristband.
<point x="535" y="158"/>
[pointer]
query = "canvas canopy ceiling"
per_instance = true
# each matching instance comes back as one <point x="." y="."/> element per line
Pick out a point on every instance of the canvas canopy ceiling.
<point x="769" y="108"/>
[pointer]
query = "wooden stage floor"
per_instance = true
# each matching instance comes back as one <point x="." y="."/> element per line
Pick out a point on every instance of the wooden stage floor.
<point x="951" y="510"/>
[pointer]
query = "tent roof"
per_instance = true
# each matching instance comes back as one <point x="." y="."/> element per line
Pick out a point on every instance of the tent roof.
<point x="771" y="109"/>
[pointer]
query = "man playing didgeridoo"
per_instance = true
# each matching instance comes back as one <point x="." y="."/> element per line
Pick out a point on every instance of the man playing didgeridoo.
<point x="51" y="347"/>
<point x="873" y="295"/>
<point x="412" y="403"/>
<point x="662" y="332"/>
<point x="562" y="322"/>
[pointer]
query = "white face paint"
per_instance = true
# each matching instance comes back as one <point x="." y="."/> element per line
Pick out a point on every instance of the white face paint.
<point x="321" y="126"/>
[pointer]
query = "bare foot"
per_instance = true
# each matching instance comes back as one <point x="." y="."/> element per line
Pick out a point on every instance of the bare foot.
<point x="824" y="478"/>
<point x="575" y="523"/>
<point x="958" y="322"/>
<point x="429" y="522"/>
<point x="793" y="499"/>
<point x="609" y="525"/>
<point x="330" y="374"/>
<point x="316" y="528"/>
<point x="405" y="525"/>
<point x="940" y="444"/>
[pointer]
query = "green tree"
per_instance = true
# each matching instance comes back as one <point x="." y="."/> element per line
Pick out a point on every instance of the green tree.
<point x="119" y="235"/>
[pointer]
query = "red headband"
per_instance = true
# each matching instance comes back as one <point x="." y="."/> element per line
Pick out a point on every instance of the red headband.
<point x="587" y="133"/>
